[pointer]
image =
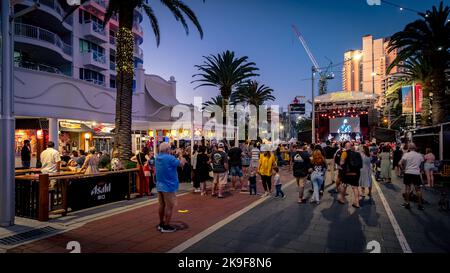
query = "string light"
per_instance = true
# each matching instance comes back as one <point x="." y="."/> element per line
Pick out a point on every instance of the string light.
<point x="125" y="47"/>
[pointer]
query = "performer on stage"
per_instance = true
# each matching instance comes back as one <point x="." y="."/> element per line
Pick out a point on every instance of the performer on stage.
<point x="345" y="128"/>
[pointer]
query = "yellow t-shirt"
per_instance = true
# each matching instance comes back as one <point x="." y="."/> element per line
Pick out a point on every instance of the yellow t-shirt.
<point x="266" y="164"/>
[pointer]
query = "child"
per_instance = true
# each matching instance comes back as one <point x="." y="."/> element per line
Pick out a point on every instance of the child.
<point x="278" y="184"/>
<point x="252" y="181"/>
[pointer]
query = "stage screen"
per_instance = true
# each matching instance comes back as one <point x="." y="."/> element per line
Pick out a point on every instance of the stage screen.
<point x="345" y="125"/>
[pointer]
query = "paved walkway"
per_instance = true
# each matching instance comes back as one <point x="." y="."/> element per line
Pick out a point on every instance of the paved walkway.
<point x="243" y="223"/>
<point x="135" y="230"/>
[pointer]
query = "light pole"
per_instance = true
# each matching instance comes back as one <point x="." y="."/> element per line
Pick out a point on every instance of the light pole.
<point x="313" y="121"/>
<point x="7" y="119"/>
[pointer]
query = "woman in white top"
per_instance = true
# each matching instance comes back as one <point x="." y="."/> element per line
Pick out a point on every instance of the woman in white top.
<point x="429" y="166"/>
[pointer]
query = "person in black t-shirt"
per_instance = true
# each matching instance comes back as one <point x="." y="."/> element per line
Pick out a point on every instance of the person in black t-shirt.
<point x="329" y="158"/>
<point x="25" y="154"/>
<point x="219" y="161"/>
<point x="235" y="161"/>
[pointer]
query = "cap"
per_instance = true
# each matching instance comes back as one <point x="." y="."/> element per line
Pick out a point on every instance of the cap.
<point x="220" y="145"/>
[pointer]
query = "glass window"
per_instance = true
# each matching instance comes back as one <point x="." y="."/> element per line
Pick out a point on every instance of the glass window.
<point x="112" y="82"/>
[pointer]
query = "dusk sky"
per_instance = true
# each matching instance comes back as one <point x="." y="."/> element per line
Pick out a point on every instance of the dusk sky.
<point x="261" y="30"/>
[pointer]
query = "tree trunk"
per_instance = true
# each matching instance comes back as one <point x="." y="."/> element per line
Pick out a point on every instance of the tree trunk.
<point x="125" y="70"/>
<point x="440" y="101"/>
<point x="225" y="100"/>
<point x="426" y="106"/>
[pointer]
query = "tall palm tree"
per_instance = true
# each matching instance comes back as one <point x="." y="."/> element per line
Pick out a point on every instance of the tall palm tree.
<point x="417" y="70"/>
<point x="253" y="93"/>
<point x="224" y="71"/>
<point x="125" y="61"/>
<point x="429" y="39"/>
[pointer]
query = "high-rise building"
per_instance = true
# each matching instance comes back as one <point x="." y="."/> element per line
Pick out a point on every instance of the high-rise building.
<point x="80" y="47"/>
<point x="366" y="70"/>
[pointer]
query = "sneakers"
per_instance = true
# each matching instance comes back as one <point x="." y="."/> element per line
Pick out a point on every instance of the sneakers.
<point x="406" y="206"/>
<point x="167" y="229"/>
<point x="284" y="197"/>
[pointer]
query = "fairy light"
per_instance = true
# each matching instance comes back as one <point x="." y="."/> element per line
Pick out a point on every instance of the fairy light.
<point x="125" y="47"/>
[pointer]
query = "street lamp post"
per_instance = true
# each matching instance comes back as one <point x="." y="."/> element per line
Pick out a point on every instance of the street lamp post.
<point x="7" y="121"/>
<point x="313" y="118"/>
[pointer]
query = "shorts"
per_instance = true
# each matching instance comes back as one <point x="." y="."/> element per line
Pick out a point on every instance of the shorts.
<point x="428" y="166"/>
<point x="167" y="198"/>
<point x="236" y="171"/>
<point x="414" y="179"/>
<point x="220" y="178"/>
<point x="352" y="180"/>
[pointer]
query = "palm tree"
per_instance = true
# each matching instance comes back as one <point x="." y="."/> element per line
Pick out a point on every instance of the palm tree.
<point x="429" y="39"/>
<point x="125" y="61"/>
<point x="253" y="93"/>
<point x="224" y="71"/>
<point x="417" y="70"/>
<point x="210" y="106"/>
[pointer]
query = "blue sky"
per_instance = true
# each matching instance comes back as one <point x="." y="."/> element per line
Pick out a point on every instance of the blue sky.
<point x="261" y="30"/>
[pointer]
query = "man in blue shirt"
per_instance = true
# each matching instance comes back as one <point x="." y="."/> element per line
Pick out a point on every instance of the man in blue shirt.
<point x="167" y="184"/>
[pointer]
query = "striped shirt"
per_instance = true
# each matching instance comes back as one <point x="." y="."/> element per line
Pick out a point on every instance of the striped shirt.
<point x="255" y="154"/>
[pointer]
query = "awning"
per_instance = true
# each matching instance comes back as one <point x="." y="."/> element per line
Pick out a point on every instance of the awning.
<point x="74" y="127"/>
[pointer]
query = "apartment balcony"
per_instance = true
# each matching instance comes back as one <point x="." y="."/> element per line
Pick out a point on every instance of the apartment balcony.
<point x="137" y="28"/>
<point x="94" y="60"/>
<point x="112" y="41"/>
<point x="96" y="82"/>
<point x="38" y="67"/>
<point x="138" y="52"/>
<point x="94" y="31"/>
<point x="112" y="67"/>
<point x="38" y="37"/>
<point x="46" y="8"/>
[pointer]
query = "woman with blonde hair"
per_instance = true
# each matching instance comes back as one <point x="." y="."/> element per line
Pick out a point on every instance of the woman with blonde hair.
<point x="318" y="170"/>
<point x="90" y="165"/>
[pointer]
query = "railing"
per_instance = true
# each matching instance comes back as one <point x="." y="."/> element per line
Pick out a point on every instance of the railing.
<point x="38" y="67"/>
<point x="98" y="57"/>
<point x="112" y="40"/>
<point x="39" y="195"/>
<point x="138" y="28"/>
<point x="53" y="4"/>
<point x="96" y="27"/>
<point x="96" y="82"/>
<point x="41" y="34"/>
<point x="101" y="3"/>
<point x="138" y="51"/>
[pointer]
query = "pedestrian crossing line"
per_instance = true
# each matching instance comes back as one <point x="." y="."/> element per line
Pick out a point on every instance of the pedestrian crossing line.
<point x="398" y="231"/>
<point x="190" y="242"/>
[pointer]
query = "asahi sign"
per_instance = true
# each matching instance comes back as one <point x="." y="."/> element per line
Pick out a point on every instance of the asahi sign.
<point x="99" y="192"/>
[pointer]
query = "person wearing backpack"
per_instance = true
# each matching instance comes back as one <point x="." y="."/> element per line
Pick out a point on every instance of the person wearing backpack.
<point x="301" y="164"/>
<point x="337" y="163"/>
<point x="351" y="163"/>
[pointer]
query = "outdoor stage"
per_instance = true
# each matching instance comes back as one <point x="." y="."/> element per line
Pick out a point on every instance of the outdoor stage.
<point x="344" y="116"/>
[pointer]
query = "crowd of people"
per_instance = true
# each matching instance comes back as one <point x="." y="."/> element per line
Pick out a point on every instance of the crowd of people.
<point x="229" y="167"/>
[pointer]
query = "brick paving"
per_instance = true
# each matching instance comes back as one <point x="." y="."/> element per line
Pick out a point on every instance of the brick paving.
<point x="135" y="230"/>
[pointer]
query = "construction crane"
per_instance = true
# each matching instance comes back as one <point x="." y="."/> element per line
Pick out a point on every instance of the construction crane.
<point x="324" y="77"/>
<point x="326" y="74"/>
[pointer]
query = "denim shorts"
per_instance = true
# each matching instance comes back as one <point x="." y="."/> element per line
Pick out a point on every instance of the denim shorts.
<point x="236" y="171"/>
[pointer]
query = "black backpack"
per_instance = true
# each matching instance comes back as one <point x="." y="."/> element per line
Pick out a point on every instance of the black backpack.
<point x="354" y="161"/>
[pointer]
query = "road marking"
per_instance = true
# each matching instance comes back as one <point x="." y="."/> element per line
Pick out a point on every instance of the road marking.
<point x="193" y="240"/>
<point x="398" y="231"/>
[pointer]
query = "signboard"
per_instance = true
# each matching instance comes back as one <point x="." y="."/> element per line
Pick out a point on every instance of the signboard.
<point x="70" y="125"/>
<point x="407" y="99"/>
<point x="298" y="108"/>
<point x="94" y="191"/>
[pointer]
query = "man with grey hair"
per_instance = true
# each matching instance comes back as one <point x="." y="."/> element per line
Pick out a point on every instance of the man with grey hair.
<point x="411" y="163"/>
<point x="167" y="184"/>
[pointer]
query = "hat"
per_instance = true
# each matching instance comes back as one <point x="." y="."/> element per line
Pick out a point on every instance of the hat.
<point x="220" y="145"/>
